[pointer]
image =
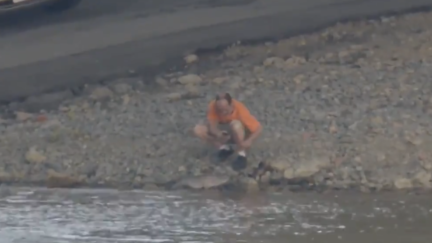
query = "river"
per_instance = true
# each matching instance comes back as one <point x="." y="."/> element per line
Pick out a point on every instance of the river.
<point x="96" y="216"/>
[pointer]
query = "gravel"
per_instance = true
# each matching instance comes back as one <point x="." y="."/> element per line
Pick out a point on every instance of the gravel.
<point x="344" y="108"/>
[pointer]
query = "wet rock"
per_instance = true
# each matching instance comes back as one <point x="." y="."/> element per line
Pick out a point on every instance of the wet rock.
<point x="190" y="79"/>
<point x="35" y="156"/>
<point x="202" y="182"/>
<point x="249" y="185"/>
<point x="101" y="93"/>
<point x="189" y="59"/>
<point x="60" y="180"/>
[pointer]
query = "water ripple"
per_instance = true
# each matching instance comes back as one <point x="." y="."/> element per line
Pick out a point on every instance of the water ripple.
<point x="65" y="216"/>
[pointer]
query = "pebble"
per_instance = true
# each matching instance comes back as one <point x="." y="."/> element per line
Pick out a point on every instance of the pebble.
<point x="189" y="59"/>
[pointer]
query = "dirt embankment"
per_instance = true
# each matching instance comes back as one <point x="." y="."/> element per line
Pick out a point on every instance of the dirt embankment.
<point x="346" y="107"/>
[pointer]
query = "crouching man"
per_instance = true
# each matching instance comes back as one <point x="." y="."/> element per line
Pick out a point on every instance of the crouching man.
<point x="228" y="120"/>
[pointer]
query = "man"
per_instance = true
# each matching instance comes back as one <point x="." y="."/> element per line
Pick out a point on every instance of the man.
<point x="243" y="128"/>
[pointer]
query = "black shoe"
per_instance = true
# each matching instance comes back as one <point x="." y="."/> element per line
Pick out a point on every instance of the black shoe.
<point x="240" y="163"/>
<point x="223" y="154"/>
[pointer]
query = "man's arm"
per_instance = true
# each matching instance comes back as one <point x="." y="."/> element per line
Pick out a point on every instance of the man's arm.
<point x="254" y="135"/>
<point x="213" y="120"/>
<point x="251" y="123"/>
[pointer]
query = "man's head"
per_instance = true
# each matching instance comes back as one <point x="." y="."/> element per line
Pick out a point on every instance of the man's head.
<point x="223" y="104"/>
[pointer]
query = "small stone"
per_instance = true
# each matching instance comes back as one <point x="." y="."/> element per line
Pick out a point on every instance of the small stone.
<point x="381" y="157"/>
<point x="23" y="116"/>
<point x="189" y="59"/>
<point x="182" y="169"/>
<point x="161" y="82"/>
<point x="125" y="99"/>
<point x="121" y="88"/>
<point x="101" y="93"/>
<point x="299" y="78"/>
<point x="174" y="96"/>
<point x="190" y="79"/>
<point x="333" y="128"/>
<point x="219" y="80"/>
<point x="272" y="61"/>
<point x="34" y="156"/>
<point x="416" y="141"/>
<point x="235" y="85"/>
<point x="192" y="92"/>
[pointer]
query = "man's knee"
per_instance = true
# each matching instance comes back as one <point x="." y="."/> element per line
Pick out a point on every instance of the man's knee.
<point x="200" y="130"/>
<point x="237" y="126"/>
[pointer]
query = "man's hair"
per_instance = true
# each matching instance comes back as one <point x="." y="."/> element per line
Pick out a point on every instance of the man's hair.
<point x="225" y="96"/>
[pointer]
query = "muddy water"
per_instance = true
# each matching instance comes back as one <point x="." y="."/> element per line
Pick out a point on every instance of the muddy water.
<point x="72" y="216"/>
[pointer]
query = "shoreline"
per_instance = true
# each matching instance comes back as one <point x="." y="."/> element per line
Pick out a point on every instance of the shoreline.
<point x="343" y="108"/>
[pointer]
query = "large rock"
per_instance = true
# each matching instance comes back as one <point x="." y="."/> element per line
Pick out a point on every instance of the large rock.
<point x="402" y="183"/>
<point x="61" y="180"/>
<point x="202" y="182"/>
<point x="423" y="179"/>
<point x="34" y="156"/>
<point x="190" y="79"/>
<point x="306" y="169"/>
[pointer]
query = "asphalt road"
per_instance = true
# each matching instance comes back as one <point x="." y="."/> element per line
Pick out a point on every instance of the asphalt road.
<point x="106" y="38"/>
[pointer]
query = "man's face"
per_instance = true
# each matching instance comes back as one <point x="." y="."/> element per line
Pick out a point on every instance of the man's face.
<point x="223" y="108"/>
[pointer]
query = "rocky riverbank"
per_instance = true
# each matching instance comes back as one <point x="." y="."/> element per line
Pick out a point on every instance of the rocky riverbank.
<point x="347" y="107"/>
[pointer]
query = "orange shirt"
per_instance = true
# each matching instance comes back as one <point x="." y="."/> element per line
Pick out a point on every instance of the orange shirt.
<point x="240" y="113"/>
